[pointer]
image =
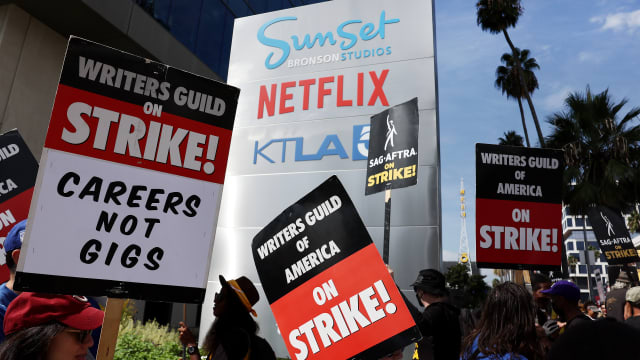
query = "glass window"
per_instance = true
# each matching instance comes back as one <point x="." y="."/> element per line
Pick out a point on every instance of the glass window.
<point x="579" y="221"/>
<point x="582" y="282"/>
<point x="579" y="245"/>
<point x="582" y="270"/>
<point x="569" y="222"/>
<point x="214" y="37"/>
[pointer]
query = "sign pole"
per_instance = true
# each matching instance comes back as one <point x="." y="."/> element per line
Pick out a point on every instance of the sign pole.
<point x="184" y="320"/>
<point x="387" y="223"/>
<point x="110" y="328"/>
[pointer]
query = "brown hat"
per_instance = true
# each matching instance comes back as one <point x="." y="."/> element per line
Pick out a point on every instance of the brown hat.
<point x="245" y="290"/>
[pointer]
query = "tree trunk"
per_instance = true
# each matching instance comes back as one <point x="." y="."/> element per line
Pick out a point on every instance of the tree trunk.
<point x="523" y="85"/>
<point x="524" y="125"/>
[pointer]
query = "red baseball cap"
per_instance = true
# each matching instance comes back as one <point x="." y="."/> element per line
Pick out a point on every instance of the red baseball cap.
<point x="31" y="309"/>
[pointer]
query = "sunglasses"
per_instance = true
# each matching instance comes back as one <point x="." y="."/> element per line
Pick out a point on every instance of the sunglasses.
<point x="80" y="334"/>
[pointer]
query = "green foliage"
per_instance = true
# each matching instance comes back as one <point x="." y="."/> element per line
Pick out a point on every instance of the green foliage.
<point x="572" y="260"/>
<point x="150" y="341"/>
<point x="511" y="138"/>
<point x="470" y="290"/>
<point x="495" y="16"/>
<point x="633" y="222"/>
<point x="457" y="276"/>
<point x="602" y="151"/>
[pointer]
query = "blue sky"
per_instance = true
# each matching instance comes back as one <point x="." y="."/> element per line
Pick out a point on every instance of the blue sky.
<point x="595" y="42"/>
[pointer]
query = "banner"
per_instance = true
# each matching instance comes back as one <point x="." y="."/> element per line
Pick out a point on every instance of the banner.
<point x="518" y="207"/>
<point x="18" y="170"/>
<point x="393" y="148"/>
<point x="330" y="292"/>
<point x="131" y="179"/>
<point x="613" y="236"/>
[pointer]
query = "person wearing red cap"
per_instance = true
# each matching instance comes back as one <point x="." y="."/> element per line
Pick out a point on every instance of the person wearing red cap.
<point x="50" y="327"/>
<point x="232" y="335"/>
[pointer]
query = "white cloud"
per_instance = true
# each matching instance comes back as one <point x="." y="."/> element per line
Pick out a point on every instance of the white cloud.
<point x="619" y="21"/>
<point x="555" y="101"/>
<point x="587" y="56"/>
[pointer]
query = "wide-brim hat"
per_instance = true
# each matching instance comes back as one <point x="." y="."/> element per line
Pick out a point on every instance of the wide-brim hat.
<point x="430" y="281"/>
<point x="32" y="309"/>
<point x="245" y="291"/>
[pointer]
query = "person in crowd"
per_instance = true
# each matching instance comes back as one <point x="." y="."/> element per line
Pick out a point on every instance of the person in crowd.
<point x="49" y="327"/>
<point x="438" y="323"/>
<point x="12" y="246"/>
<point x="613" y="340"/>
<point x="507" y="327"/>
<point x="232" y="335"/>
<point x="540" y="282"/>
<point x="592" y="310"/>
<point x="565" y="296"/>
<point x="616" y="296"/>
<point x="632" y="307"/>
<point x="396" y="355"/>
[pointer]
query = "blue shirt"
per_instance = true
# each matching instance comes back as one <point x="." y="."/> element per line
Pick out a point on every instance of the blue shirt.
<point x="6" y="297"/>
<point x="481" y="356"/>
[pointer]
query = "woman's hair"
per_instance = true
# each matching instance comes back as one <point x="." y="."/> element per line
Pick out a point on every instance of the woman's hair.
<point x="507" y="325"/>
<point x="235" y="321"/>
<point x="30" y="343"/>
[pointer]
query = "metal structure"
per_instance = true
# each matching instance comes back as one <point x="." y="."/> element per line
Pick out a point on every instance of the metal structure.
<point x="463" y="253"/>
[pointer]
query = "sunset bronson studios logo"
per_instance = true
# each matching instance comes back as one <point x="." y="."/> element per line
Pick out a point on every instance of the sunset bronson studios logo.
<point x="347" y="35"/>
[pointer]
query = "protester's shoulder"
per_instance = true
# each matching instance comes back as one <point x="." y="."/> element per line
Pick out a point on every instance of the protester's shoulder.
<point x="261" y="349"/>
<point x="6" y="295"/>
<point x="634" y="322"/>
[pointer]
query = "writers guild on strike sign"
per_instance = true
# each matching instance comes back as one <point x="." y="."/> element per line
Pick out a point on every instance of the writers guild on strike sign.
<point x="393" y="148"/>
<point x="519" y="204"/>
<point x="136" y="154"/>
<point x="328" y="288"/>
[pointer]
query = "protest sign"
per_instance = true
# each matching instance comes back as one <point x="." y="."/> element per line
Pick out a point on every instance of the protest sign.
<point x="393" y="148"/>
<point x="131" y="179"/>
<point x="613" y="236"/>
<point x="18" y="170"/>
<point x="330" y="292"/>
<point x="518" y="207"/>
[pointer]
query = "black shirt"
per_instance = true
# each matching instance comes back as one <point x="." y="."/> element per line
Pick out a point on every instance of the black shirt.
<point x="441" y="335"/>
<point x="634" y="322"/>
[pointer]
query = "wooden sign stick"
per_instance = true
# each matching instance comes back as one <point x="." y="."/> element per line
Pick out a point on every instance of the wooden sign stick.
<point x="387" y="223"/>
<point x="110" y="328"/>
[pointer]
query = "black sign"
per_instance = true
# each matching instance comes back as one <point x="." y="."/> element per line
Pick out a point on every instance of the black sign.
<point x="18" y="167"/>
<point x="613" y="236"/>
<point x="393" y="148"/>
<point x="320" y="271"/>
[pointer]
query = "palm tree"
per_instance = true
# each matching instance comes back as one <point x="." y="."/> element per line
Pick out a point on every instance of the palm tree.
<point x="496" y="16"/>
<point x="600" y="153"/>
<point x="633" y="222"/>
<point x="511" y="138"/>
<point x="507" y="79"/>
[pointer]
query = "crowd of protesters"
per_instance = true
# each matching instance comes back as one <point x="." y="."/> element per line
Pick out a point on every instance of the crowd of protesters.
<point x="547" y="322"/>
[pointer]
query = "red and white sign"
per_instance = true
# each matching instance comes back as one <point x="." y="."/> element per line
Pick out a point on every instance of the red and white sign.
<point x="329" y="290"/>
<point x="518" y="207"/>
<point x="130" y="179"/>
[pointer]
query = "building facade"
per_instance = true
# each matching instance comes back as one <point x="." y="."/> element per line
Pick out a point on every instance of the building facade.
<point x="193" y="35"/>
